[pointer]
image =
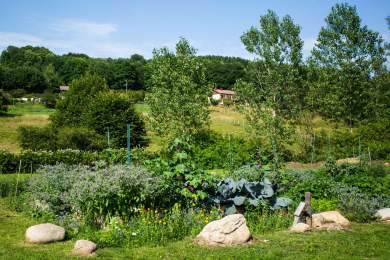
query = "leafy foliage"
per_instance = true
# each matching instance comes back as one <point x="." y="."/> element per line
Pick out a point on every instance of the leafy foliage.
<point x="275" y="93"/>
<point x="232" y="194"/>
<point x="93" y="194"/>
<point x="179" y="92"/>
<point x="348" y="62"/>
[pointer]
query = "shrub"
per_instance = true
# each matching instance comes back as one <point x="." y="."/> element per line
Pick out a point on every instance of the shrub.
<point x="37" y="138"/>
<point x="90" y="104"/>
<point x="294" y="184"/>
<point x="214" y="102"/>
<point x="30" y="161"/>
<point x="8" y="162"/>
<point x="70" y="109"/>
<point x="79" y="138"/>
<point x="112" y="111"/>
<point x="4" y="102"/>
<point x="372" y="180"/>
<point x="358" y="206"/>
<point x="213" y="151"/>
<point x="247" y="172"/>
<point x="93" y="195"/>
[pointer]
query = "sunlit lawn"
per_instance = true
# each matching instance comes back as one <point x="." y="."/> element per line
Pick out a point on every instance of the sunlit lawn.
<point x="21" y="115"/>
<point x="363" y="241"/>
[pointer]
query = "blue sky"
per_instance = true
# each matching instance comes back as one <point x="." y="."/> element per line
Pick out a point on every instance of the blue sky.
<point x="119" y="28"/>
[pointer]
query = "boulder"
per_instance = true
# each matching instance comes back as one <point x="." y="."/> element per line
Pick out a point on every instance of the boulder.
<point x="329" y="220"/>
<point x="383" y="214"/>
<point x="300" y="228"/>
<point x="44" y="233"/>
<point x="230" y="230"/>
<point x="84" y="248"/>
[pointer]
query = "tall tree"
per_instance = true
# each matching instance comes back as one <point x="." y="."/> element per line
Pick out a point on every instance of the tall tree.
<point x="274" y="94"/>
<point x="178" y="92"/>
<point x="345" y="60"/>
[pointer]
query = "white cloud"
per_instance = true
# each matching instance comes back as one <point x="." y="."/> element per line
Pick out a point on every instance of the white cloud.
<point x="84" y="28"/>
<point x="18" y="39"/>
<point x="77" y="36"/>
<point x="23" y="39"/>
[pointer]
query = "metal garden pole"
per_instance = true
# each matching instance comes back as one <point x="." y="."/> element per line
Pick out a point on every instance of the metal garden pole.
<point x="128" y="145"/>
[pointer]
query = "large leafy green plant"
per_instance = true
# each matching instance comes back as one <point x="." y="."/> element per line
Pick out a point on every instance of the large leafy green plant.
<point x="232" y="194"/>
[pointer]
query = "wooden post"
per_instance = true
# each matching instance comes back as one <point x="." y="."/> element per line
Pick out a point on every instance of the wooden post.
<point x="308" y="210"/>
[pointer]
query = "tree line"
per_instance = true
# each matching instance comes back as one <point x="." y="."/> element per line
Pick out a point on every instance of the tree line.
<point x="36" y="70"/>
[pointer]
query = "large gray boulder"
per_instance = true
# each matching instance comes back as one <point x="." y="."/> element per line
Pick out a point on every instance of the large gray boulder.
<point x="329" y="220"/>
<point x="44" y="233"/>
<point x="383" y="214"/>
<point x="84" y="248"/>
<point x="230" y="230"/>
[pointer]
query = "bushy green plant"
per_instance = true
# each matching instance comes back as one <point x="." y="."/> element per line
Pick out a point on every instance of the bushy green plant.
<point x="214" y="102"/>
<point x="38" y="138"/>
<point x="372" y="180"/>
<point x="294" y="184"/>
<point x="93" y="194"/>
<point x="8" y="162"/>
<point x="30" y="161"/>
<point x="189" y="182"/>
<point x="248" y="172"/>
<point x="5" y="100"/>
<point x="112" y="111"/>
<point x="213" y="151"/>
<point x="358" y="206"/>
<point x="79" y="138"/>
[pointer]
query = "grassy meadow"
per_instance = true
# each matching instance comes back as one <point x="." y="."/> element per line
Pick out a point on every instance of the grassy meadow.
<point x="21" y="115"/>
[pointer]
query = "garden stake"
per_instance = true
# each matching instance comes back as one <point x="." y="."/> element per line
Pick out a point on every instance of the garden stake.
<point x="128" y="145"/>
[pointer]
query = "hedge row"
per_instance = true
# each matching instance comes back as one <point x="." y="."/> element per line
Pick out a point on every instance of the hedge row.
<point x="29" y="161"/>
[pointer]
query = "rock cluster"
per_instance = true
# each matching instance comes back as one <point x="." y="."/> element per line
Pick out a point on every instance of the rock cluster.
<point x="48" y="233"/>
<point x="328" y="220"/>
<point x="230" y="230"/>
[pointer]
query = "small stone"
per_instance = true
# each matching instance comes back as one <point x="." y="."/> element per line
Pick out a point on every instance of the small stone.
<point x="44" y="233"/>
<point x="230" y="230"/>
<point x="383" y="214"/>
<point x="300" y="228"/>
<point x="329" y="220"/>
<point x="84" y="248"/>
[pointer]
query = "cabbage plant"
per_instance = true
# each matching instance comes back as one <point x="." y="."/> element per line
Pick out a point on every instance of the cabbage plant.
<point x="232" y="194"/>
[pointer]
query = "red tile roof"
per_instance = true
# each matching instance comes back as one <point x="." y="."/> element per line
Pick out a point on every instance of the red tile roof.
<point x="224" y="91"/>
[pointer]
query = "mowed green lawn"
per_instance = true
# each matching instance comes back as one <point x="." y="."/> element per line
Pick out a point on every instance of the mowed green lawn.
<point x="363" y="241"/>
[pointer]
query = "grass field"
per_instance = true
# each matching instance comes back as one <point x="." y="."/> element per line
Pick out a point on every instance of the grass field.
<point x="224" y="120"/>
<point x="21" y="115"/>
<point x="363" y="241"/>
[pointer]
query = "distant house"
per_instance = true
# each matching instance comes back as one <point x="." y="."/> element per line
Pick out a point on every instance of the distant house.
<point x="64" y="88"/>
<point x="221" y="94"/>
